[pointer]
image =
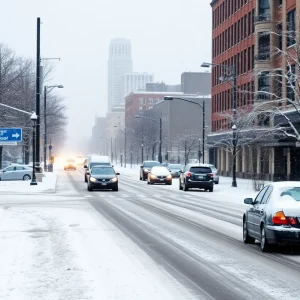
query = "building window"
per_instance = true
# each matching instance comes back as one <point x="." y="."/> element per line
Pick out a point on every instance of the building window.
<point x="291" y="27"/>
<point x="263" y="92"/>
<point x="263" y="47"/>
<point x="279" y="32"/>
<point x="150" y="100"/>
<point x="141" y="100"/>
<point x="291" y="82"/>
<point x="264" y="10"/>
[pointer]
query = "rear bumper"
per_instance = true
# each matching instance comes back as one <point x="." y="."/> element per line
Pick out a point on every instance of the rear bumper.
<point x="200" y="184"/>
<point x="283" y="235"/>
<point x="70" y="167"/>
<point x="106" y="186"/>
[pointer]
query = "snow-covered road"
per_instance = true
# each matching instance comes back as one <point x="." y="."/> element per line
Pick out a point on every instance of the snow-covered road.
<point x="144" y="242"/>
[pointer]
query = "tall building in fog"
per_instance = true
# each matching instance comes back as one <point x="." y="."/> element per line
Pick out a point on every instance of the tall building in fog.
<point x="119" y="64"/>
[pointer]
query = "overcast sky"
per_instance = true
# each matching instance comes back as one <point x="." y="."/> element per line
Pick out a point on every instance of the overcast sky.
<point x="168" y="37"/>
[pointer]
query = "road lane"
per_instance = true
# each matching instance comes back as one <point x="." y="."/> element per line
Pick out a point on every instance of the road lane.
<point x="196" y="240"/>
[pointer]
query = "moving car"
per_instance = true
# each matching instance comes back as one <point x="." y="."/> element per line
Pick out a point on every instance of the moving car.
<point x="195" y="176"/>
<point x="102" y="177"/>
<point x="175" y="169"/>
<point x="159" y="175"/>
<point x="70" y="164"/>
<point x="273" y="216"/>
<point x="146" y="168"/>
<point x="95" y="160"/>
<point x="16" y="172"/>
<point x="214" y="171"/>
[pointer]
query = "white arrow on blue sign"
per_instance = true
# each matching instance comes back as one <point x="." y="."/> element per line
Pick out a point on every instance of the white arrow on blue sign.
<point x="10" y="135"/>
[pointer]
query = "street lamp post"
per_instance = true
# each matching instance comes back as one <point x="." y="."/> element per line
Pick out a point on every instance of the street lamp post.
<point x="131" y="159"/>
<point x="234" y="125"/>
<point x="46" y="91"/>
<point x="116" y="157"/>
<point x="169" y="98"/>
<point x="159" y="121"/>
<point x="33" y="119"/>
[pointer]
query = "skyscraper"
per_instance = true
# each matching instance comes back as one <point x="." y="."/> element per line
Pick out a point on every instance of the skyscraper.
<point x="119" y="64"/>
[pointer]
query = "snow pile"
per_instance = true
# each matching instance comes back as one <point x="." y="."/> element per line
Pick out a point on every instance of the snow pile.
<point x="24" y="187"/>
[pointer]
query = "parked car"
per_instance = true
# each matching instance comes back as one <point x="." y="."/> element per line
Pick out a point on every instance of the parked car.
<point x="195" y="176"/>
<point x="95" y="160"/>
<point x="16" y="172"/>
<point x="159" y="174"/>
<point x="175" y="169"/>
<point x="102" y="177"/>
<point x="214" y="171"/>
<point x="6" y="163"/>
<point x="146" y="168"/>
<point x="70" y="164"/>
<point x="273" y="216"/>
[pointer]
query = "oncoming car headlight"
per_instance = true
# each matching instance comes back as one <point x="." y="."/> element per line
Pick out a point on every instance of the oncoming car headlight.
<point x="146" y="170"/>
<point x="92" y="179"/>
<point x="169" y="176"/>
<point x="115" y="179"/>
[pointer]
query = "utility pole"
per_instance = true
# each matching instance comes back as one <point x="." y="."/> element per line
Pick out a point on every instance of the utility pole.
<point x="45" y="128"/>
<point x="234" y="130"/>
<point x="38" y="95"/>
<point x="160" y="141"/>
<point x="203" y="131"/>
<point x="125" y="151"/>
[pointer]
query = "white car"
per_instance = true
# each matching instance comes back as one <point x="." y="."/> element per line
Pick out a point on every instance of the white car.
<point x="214" y="171"/>
<point x="16" y="172"/>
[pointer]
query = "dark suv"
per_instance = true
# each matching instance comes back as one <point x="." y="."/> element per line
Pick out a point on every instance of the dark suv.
<point x="146" y="168"/>
<point x="195" y="176"/>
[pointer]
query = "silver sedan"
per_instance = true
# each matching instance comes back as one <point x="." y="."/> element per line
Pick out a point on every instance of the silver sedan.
<point x="16" y="172"/>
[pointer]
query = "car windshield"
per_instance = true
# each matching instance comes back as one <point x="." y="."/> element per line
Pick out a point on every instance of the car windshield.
<point x="200" y="170"/>
<point x="102" y="171"/>
<point x="99" y="164"/>
<point x="175" y="167"/>
<point x="70" y="161"/>
<point x="160" y="170"/>
<point x="292" y="192"/>
<point x="150" y="164"/>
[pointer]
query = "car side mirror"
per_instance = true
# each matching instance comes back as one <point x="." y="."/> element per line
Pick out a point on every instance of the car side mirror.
<point x="88" y="173"/>
<point x="85" y="166"/>
<point x="4" y="171"/>
<point x="112" y="166"/>
<point x="248" y="201"/>
<point x="117" y="173"/>
<point x="180" y="172"/>
<point x="141" y="166"/>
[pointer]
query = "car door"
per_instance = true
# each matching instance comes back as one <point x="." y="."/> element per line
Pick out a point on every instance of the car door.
<point x="258" y="210"/>
<point x="8" y="174"/>
<point x="19" y="173"/>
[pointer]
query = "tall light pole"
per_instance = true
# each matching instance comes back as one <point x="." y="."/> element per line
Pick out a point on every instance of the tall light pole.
<point x="47" y="89"/>
<point x="234" y="123"/>
<point x="169" y="98"/>
<point x="33" y="118"/>
<point x="38" y="93"/>
<point x="159" y="121"/>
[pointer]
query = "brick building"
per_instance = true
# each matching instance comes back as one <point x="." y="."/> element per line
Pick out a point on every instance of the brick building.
<point x="253" y="35"/>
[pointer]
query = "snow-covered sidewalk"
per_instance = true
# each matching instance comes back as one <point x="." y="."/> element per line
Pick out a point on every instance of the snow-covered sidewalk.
<point x="23" y="187"/>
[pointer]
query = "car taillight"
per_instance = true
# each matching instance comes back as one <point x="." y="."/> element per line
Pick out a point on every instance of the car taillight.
<point x="211" y="176"/>
<point x="280" y="219"/>
<point x="188" y="174"/>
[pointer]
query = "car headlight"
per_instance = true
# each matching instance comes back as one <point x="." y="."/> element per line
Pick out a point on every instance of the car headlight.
<point x="146" y="170"/>
<point x="169" y="177"/>
<point x="153" y="177"/>
<point x="92" y="179"/>
<point x="115" y="179"/>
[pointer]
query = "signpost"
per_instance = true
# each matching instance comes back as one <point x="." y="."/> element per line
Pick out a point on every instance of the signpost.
<point x="10" y="136"/>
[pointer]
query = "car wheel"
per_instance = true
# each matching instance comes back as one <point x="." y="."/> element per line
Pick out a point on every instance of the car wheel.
<point x="217" y="182"/>
<point x="211" y="190"/>
<point x="185" y="188"/>
<point x="148" y="182"/>
<point x="85" y="179"/>
<point x="89" y="188"/>
<point x="180" y="186"/>
<point x="264" y="245"/>
<point x="26" y="177"/>
<point x="246" y="237"/>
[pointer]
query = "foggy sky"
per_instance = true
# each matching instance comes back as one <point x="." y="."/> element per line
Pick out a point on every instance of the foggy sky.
<point x="168" y="37"/>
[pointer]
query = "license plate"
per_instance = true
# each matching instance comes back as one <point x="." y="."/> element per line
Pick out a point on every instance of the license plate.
<point x="200" y="177"/>
<point x="161" y="179"/>
<point x="103" y="183"/>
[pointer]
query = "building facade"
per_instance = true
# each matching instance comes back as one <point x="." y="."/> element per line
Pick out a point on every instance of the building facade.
<point x="133" y="82"/>
<point x="256" y="37"/>
<point x="196" y="83"/>
<point x="119" y="64"/>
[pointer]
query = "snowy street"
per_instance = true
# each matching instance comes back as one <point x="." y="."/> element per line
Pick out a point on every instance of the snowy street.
<point x="143" y="242"/>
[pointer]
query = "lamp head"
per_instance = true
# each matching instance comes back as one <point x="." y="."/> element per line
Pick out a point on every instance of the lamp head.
<point x="205" y="65"/>
<point x="60" y="86"/>
<point x="33" y="116"/>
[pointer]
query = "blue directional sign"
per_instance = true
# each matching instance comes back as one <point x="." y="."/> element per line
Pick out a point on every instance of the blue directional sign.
<point x="10" y="135"/>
